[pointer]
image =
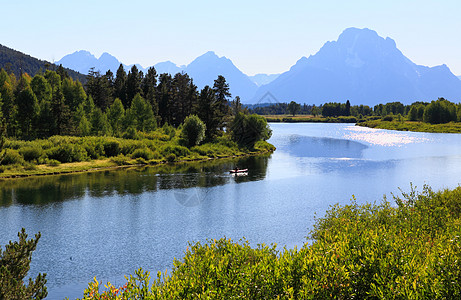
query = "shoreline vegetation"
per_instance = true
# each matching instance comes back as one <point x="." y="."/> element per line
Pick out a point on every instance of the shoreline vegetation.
<point x="409" y="249"/>
<point x="65" y="154"/>
<point x="439" y="116"/>
<point x="416" y="126"/>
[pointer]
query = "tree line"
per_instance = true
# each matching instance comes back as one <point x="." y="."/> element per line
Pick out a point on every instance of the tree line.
<point x="52" y="103"/>
<point x="434" y="112"/>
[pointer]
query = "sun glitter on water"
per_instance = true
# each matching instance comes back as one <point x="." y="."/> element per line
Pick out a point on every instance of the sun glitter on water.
<point x="381" y="137"/>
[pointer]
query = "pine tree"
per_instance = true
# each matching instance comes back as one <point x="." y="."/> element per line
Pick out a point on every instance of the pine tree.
<point x="115" y="115"/>
<point x="207" y="111"/>
<point x="120" y="85"/>
<point x="133" y="84"/>
<point x="222" y="94"/>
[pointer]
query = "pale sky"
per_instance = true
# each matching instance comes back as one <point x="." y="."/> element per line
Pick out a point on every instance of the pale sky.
<point x="258" y="36"/>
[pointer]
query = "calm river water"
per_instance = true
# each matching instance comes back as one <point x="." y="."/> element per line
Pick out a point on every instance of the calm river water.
<point x="108" y="224"/>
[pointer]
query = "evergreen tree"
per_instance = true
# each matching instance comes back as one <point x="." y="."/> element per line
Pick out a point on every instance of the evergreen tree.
<point x="149" y="86"/>
<point x="133" y="84"/>
<point x="348" y="108"/>
<point x="28" y="108"/>
<point x="99" y="124"/>
<point x="9" y="108"/>
<point x="140" y="115"/>
<point x="116" y="114"/>
<point x="98" y="86"/>
<point x="14" y="266"/>
<point x="41" y="88"/>
<point x="164" y="96"/>
<point x="222" y="94"/>
<point x="208" y="113"/>
<point x="120" y="85"/>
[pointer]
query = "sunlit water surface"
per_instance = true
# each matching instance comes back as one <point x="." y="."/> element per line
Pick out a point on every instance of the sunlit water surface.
<point x="108" y="224"/>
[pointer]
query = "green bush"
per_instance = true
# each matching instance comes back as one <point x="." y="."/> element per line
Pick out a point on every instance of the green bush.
<point x="12" y="157"/>
<point x="193" y="131"/>
<point x="120" y="160"/>
<point x="171" y="157"/>
<point x="31" y="153"/>
<point x="131" y="133"/>
<point x="370" y="251"/>
<point x="144" y="153"/>
<point x="176" y="150"/>
<point x="53" y="162"/>
<point x="67" y="153"/>
<point x="111" y="148"/>
<point x="388" y="118"/>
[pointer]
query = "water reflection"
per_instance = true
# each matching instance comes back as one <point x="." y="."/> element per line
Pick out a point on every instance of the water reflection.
<point x="132" y="181"/>
<point x="306" y="146"/>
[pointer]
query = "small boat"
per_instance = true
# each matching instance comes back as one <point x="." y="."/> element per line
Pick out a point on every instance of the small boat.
<point x="238" y="171"/>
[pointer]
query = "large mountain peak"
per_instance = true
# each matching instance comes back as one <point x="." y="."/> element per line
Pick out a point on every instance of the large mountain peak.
<point x="366" y="69"/>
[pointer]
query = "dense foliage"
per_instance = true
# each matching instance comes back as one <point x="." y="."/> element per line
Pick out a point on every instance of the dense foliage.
<point x="248" y="129"/>
<point x="371" y="251"/>
<point x="14" y="265"/>
<point x="52" y="103"/>
<point x="193" y="130"/>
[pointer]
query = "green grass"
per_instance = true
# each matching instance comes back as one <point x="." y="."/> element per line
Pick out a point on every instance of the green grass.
<point x="413" y="126"/>
<point x="409" y="250"/>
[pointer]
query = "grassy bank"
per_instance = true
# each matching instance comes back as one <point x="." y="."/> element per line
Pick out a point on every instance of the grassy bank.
<point x="65" y="154"/>
<point x="408" y="250"/>
<point x="309" y="119"/>
<point x="413" y="126"/>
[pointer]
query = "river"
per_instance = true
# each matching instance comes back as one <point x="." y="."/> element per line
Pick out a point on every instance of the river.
<point x="107" y="224"/>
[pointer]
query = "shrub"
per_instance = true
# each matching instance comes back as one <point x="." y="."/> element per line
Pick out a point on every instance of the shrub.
<point x="67" y="153"/>
<point x="144" y="153"/>
<point x="193" y="131"/>
<point x="32" y="153"/>
<point x="248" y="129"/>
<point x="176" y="150"/>
<point x="131" y="133"/>
<point x="171" y="157"/>
<point x="111" y="148"/>
<point x="53" y="162"/>
<point x="120" y="160"/>
<point x="12" y="157"/>
<point x="388" y="118"/>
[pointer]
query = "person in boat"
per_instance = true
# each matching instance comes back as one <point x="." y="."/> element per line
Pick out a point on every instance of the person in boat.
<point x="236" y="169"/>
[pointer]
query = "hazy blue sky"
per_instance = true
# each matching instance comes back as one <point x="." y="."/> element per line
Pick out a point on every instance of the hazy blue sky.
<point x="259" y="36"/>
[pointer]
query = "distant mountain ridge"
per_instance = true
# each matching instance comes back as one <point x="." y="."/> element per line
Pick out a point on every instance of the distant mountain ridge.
<point x="18" y="62"/>
<point x="364" y="68"/>
<point x="360" y="66"/>
<point x="204" y="70"/>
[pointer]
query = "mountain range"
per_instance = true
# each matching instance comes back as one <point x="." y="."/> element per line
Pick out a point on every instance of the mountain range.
<point x="204" y="70"/>
<point x="360" y="66"/>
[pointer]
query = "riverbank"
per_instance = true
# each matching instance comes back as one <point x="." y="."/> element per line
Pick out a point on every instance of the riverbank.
<point x="64" y="154"/>
<point x="413" y="126"/>
<point x="309" y="119"/>
<point x="407" y="250"/>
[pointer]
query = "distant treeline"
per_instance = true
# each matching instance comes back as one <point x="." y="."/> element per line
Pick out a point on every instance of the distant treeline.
<point x="434" y="112"/>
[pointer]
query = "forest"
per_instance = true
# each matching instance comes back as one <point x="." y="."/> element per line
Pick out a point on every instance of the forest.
<point x="131" y="118"/>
